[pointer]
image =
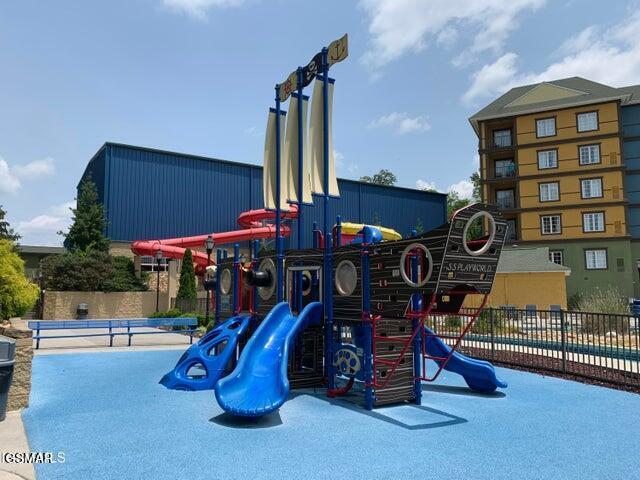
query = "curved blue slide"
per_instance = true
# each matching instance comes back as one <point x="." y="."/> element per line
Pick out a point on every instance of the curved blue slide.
<point x="259" y="384"/>
<point x="212" y="354"/>
<point x="479" y="374"/>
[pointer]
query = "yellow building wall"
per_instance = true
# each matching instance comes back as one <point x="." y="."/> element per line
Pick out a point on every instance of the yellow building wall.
<point x="568" y="159"/>
<point x="566" y="127"/>
<point x="570" y="193"/>
<point x="542" y="289"/>
<point x="571" y="220"/>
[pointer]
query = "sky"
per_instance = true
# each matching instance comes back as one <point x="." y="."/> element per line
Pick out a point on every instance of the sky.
<point x="198" y="77"/>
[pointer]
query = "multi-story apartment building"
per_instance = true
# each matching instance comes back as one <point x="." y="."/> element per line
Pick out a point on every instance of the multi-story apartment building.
<point x="562" y="160"/>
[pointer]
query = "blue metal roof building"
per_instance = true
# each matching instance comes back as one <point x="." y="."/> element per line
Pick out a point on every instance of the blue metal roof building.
<point x="153" y="194"/>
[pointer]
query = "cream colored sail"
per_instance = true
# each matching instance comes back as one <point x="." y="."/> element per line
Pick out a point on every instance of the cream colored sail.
<point x="269" y="169"/>
<point x="316" y="143"/>
<point x="291" y="152"/>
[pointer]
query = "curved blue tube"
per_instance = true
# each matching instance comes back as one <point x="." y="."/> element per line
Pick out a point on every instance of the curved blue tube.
<point x="212" y="353"/>
<point x="480" y="375"/>
<point x="259" y="383"/>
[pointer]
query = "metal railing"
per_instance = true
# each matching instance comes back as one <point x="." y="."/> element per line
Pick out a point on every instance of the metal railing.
<point x="506" y="202"/>
<point x="505" y="171"/>
<point x="597" y="346"/>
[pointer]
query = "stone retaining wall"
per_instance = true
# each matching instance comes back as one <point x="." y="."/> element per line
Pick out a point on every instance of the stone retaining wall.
<point x="21" y="384"/>
<point x="63" y="305"/>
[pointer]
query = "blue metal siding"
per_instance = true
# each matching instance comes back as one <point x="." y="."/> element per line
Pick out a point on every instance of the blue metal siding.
<point x="153" y="194"/>
<point x="631" y="120"/>
<point x="96" y="169"/>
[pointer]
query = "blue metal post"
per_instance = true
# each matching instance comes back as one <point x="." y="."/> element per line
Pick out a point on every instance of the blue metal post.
<point x="236" y="277"/>
<point x="338" y="231"/>
<point x="415" y="323"/>
<point x="300" y="186"/>
<point x="328" y="310"/>
<point x="218" y="259"/>
<point x="366" y="315"/>
<point x="254" y="266"/>
<point x="315" y="235"/>
<point x="279" y="253"/>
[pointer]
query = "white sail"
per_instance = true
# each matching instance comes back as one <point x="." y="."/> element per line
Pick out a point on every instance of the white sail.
<point x="291" y="152"/>
<point x="269" y="169"/>
<point x="316" y="143"/>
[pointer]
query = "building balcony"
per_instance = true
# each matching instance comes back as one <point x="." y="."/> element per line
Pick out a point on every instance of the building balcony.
<point x="506" y="203"/>
<point x="505" y="171"/>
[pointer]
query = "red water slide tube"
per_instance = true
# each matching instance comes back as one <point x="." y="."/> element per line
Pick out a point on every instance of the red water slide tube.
<point x="252" y="225"/>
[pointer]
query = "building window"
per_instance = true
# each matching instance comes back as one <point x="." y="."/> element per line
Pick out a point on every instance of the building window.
<point x="150" y="264"/>
<point x="547" y="159"/>
<point x="589" y="154"/>
<point x="512" y="232"/>
<point x="593" y="222"/>
<point x="505" y="198"/>
<point x="555" y="256"/>
<point x="505" y="168"/>
<point x="550" y="224"/>
<point x="591" y="188"/>
<point x="546" y="127"/>
<point x="549" y="192"/>
<point x="502" y="138"/>
<point x="596" y="259"/>
<point x="587" y="122"/>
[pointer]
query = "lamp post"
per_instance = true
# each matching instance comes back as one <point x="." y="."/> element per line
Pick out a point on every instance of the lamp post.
<point x="208" y="244"/>
<point x="158" y="258"/>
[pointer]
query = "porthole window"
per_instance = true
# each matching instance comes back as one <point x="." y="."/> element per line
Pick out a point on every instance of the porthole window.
<point x="225" y="281"/>
<point x="424" y="265"/>
<point x="346" y="278"/>
<point x="474" y="229"/>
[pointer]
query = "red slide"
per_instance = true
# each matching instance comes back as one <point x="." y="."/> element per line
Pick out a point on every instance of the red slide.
<point x="252" y="225"/>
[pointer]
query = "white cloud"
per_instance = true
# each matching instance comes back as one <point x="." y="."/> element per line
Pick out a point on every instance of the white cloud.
<point x="400" y="26"/>
<point x="342" y="167"/>
<point x="37" y="168"/>
<point x="42" y="229"/>
<point x="476" y="161"/>
<point x="464" y="188"/>
<point x="10" y="176"/>
<point x="9" y="182"/>
<point x="425" y="185"/>
<point x="402" y="123"/>
<point x="610" y="56"/>
<point x="198" y="8"/>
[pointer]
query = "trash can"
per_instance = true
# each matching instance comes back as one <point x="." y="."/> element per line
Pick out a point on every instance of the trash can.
<point x="7" y="359"/>
<point x="82" y="312"/>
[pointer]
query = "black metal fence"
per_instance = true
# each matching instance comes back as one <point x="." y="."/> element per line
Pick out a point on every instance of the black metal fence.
<point x="598" y="346"/>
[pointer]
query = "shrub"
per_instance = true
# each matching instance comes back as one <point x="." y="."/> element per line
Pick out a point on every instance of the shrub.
<point x="96" y="272"/>
<point x="187" y="288"/>
<point x="173" y="313"/>
<point x="453" y="323"/>
<point x="597" y="300"/>
<point x="201" y="318"/>
<point x="17" y="294"/>
<point x="80" y="273"/>
<point x="123" y="277"/>
<point x="601" y="324"/>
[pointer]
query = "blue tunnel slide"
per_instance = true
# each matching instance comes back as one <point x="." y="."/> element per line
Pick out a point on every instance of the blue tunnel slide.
<point x="479" y="374"/>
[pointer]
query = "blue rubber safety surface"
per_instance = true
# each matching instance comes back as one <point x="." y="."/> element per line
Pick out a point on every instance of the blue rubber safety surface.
<point x="112" y="418"/>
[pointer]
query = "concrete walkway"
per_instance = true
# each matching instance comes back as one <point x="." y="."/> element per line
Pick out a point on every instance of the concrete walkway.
<point x="140" y="341"/>
<point x="13" y="439"/>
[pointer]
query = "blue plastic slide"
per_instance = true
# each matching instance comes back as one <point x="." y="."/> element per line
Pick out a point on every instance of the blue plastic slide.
<point x="210" y="355"/>
<point x="479" y="374"/>
<point x="259" y="383"/>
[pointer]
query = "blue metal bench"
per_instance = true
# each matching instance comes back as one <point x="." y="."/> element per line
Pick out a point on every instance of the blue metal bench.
<point x="128" y="323"/>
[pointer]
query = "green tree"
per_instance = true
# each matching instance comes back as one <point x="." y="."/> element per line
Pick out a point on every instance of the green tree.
<point x="383" y="177"/>
<point x="477" y="186"/>
<point x="187" y="288"/>
<point x="86" y="232"/>
<point x="17" y="294"/>
<point x="419" y="227"/>
<point x="6" y="232"/>
<point x="455" y="202"/>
